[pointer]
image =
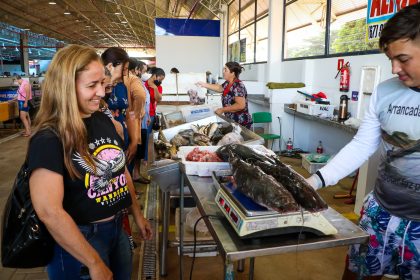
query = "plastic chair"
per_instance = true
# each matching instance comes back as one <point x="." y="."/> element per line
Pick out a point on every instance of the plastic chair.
<point x="265" y="117"/>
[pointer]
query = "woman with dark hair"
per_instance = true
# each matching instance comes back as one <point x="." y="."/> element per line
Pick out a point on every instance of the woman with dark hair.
<point x="234" y="97"/>
<point x="127" y="107"/>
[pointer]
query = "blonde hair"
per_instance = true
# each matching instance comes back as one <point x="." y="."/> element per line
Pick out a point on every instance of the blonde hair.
<point x="59" y="109"/>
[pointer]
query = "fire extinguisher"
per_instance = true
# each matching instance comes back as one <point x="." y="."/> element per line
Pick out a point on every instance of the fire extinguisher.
<point x="344" y="77"/>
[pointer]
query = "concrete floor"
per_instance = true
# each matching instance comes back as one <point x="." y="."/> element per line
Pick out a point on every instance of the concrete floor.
<point x="326" y="264"/>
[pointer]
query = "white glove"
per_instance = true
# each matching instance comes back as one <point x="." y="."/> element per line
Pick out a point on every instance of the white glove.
<point x="314" y="181"/>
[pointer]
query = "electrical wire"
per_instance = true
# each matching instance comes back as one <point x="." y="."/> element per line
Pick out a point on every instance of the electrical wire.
<point x="195" y="238"/>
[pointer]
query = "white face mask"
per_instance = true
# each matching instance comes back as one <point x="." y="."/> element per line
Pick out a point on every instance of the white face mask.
<point x="145" y="76"/>
<point x="15" y="83"/>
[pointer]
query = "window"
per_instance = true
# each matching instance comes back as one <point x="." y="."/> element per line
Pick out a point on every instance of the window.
<point x="306" y="24"/>
<point x="261" y="43"/>
<point x="248" y="31"/>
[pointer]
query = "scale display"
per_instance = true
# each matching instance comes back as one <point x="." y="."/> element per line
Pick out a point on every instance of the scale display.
<point x="251" y="220"/>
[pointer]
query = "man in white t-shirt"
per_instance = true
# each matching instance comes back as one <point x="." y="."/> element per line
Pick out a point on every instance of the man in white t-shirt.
<point x="391" y="212"/>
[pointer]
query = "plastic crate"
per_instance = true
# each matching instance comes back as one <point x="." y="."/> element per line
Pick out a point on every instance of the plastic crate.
<point x="312" y="167"/>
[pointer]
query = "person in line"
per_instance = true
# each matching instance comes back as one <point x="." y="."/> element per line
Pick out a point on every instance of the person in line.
<point x="234" y="97"/>
<point x="24" y="94"/>
<point x="391" y="212"/>
<point x="126" y="108"/>
<point x="153" y="85"/>
<point x="143" y="149"/>
<point x="80" y="186"/>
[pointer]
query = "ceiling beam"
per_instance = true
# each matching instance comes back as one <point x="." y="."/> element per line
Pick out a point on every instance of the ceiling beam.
<point x="36" y="21"/>
<point x="92" y="22"/>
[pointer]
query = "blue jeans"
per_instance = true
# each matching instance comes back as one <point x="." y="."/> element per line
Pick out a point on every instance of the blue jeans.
<point x="109" y="240"/>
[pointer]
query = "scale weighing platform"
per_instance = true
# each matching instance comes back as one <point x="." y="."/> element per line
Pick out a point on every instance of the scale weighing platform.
<point x="251" y="220"/>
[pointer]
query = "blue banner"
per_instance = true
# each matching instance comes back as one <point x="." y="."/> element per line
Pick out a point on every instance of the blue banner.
<point x="187" y="27"/>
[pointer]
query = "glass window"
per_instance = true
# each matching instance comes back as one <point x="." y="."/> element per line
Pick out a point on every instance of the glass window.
<point x="247" y="12"/>
<point x="233" y="47"/>
<point x="246" y="44"/>
<point x="262" y="8"/>
<point x="305" y="29"/>
<point x="233" y="17"/>
<point x="261" y="43"/>
<point x="348" y="27"/>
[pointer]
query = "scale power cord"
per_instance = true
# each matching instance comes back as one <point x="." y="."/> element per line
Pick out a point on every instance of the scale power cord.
<point x="195" y="238"/>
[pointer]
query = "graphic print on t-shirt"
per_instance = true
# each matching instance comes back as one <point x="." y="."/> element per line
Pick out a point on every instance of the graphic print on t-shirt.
<point x="108" y="184"/>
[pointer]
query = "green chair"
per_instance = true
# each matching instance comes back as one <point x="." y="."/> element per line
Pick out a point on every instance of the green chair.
<point x="265" y="117"/>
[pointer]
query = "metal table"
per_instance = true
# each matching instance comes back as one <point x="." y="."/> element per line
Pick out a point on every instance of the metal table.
<point x="232" y="248"/>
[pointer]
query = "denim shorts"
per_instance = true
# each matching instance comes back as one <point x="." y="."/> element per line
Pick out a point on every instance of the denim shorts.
<point x="393" y="247"/>
<point x="109" y="240"/>
<point x="21" y="108"/>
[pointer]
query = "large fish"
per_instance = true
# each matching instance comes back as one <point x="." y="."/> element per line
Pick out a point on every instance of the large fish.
<point x="262" y="188"/>
<point x="304" y="194"/>
<point x="243" y="152"/>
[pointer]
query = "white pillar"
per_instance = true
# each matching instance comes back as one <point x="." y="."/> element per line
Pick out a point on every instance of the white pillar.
<point x="275" y="40"/>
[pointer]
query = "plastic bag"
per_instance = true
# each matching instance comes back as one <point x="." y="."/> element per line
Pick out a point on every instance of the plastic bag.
<point x="230" y="138"/>
<point x="191" y="218"/>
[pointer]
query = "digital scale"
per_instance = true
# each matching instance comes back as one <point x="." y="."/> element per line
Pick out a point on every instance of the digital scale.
<point x="251" y="220"/>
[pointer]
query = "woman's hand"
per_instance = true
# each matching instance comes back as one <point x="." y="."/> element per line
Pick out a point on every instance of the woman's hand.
<point x="219" y="111"/>
<point x="201" y="84"/>
<point x="100" y="271"/>
<point x="145" y="228"/>
<point x="131" y="151"/>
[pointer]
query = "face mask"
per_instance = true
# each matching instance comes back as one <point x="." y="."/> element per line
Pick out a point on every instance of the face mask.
<point x="157" y="82"/>
<point x="15" y="83"/>
<point x="145" y="76"/>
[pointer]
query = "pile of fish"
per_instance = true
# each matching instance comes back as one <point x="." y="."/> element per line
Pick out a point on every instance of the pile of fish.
<point x="270" y="182"/>
<point x="215" y="133"/>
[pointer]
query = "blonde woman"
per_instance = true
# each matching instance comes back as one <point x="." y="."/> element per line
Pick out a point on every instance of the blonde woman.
<point x="80" y="185"/>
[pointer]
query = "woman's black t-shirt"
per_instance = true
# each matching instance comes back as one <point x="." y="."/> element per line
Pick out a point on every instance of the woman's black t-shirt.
<point x="98" y="194"/>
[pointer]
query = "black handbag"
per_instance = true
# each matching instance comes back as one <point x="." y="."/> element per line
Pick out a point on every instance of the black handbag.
<point x="156" y="123"/>
<point x="26" y="242"/>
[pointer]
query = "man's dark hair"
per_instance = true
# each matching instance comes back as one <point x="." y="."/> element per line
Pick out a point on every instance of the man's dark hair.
<point x="141" y="65"/>
<point x="234" y="67"/>
<point x="133" y="63"/>
<point x="158" y="72"/>
<point x="403" y="25"/>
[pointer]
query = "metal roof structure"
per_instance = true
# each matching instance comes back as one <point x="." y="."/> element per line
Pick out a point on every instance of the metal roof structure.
<point x="97" y="23"/>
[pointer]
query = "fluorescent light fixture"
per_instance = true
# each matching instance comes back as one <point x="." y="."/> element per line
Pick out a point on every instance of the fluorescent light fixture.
<point x="95" y="31"/>
<point x="52" y="3"/>
<point x="88" y="26"/>
<point x="67" y="13"/>
<point x="26" y="29"/>
<point x="117" y="13"/>
<point x="123" y="22"/>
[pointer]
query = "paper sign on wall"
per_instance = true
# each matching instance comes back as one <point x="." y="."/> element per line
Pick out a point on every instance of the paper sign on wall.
<point x="378" y="12"/>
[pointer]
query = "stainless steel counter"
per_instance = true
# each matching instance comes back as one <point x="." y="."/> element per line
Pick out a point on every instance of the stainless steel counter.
<point x="232" y="248"/>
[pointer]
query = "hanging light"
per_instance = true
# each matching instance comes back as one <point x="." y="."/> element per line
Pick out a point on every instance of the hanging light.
<point x="16" y="49"/>
<point x="39" y="53"/>
<point x="30" y="52"/>
<point x="4" y="47"/>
